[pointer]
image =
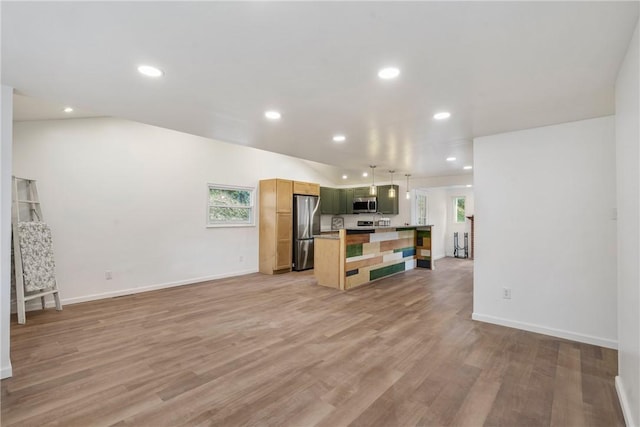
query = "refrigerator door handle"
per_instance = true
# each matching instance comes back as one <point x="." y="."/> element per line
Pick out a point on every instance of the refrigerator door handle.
<point x="314" y="211"/>
<point x="305" y="235"/>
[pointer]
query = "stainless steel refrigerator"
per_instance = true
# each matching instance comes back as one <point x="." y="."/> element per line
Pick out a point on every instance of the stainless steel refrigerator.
<point x="306" y="224"/>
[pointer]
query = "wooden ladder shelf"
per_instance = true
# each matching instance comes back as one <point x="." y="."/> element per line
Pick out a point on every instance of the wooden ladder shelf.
<point x="26" y="208"/>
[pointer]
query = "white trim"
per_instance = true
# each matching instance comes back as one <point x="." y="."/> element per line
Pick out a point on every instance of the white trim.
<point x="230" y="224"/>
<point x="132" y="291"/>
<point x="6" y="372"/>
<point x="559" y="333"/>
<point x="624" y="403"/>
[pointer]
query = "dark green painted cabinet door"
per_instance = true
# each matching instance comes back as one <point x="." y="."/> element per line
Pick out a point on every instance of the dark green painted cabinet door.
<point x="327" y="201"/>
<point x="348" y="194"/>
<point x="387" y="205"/>
<point x="342" y="201"/>
<point x="361" y="192"/>
<point x="339" y="201"/>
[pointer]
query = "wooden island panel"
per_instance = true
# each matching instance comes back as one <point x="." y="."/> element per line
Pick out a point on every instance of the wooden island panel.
<point x="360" y="256"/>
<point x="328" y="261"/>
<point x="377" y="253"/>
<point x="423" y="248"/>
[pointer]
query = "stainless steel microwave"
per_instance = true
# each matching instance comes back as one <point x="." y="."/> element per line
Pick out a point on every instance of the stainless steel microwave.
<point x="365" y="205"/>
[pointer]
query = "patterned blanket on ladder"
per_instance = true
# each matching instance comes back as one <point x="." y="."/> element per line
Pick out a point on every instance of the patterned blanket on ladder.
<point x="37" y="256"/>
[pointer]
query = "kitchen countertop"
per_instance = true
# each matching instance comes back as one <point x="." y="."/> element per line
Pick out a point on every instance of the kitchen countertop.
<point x="382" y="227"/>
<point x="333" y="236"/>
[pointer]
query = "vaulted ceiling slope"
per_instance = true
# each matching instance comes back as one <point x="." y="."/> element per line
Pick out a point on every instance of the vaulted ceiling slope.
<point x="496" y="66"/>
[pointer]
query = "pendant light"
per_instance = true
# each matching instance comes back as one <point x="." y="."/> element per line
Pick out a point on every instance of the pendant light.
<point x="373" y="190"/>
<point x="392" y="190"/>
<point x="408" y="193"/>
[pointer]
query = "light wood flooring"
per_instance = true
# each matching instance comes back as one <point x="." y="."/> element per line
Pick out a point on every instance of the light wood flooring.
<point x="282" y="351"/>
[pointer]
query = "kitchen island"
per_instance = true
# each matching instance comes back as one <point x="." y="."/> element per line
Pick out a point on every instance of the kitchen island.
<point x="355" y="256"/>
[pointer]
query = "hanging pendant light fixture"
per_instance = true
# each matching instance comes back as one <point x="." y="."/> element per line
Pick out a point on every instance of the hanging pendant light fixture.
<point x="373" y="190"/>
<point x="392" y="190"/>
<point x="408" y="192"/>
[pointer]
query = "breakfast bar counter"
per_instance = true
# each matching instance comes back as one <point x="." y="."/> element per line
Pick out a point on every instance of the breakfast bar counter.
<point x="356" y="256"/>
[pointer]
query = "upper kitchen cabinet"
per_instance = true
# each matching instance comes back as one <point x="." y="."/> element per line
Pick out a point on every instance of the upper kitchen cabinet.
<point x="387" y="205"/>
<point x="306" y="188"/>
<point x="329" y="201"/>
<point x="348" y="200"/>
<point x="336" y="201"/>
<point x="284" y="195"/>
<point x="361" y="192"/>
<point x="339" y="201"/>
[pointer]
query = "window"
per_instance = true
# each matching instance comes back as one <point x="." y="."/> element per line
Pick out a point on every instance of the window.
<point x="419" y="207"/>
<point x="230" y="206"/>
<point x="458" y="209"/>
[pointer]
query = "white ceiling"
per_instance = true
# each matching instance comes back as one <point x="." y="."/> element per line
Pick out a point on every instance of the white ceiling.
<point x="496" y="66"/>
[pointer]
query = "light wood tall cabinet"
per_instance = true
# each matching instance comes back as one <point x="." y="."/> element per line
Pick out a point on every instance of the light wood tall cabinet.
<point x="276" y="222"/>
<point x="276" y="225"/>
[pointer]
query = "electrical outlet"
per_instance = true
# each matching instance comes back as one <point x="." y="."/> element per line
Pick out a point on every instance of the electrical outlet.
<point x="506" y="293"/>
<point x="108" y="275"/>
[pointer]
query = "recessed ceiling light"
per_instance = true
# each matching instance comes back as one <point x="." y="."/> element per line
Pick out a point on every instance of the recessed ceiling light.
<point x="339" y="138"/>
<point x="389" y="73"/>
<point x="451" y="159"/>
<point x="150" y="71"/>
<point x="272" y="115"/>
<point x="344" y="176"/>
<point x="469" y="185"/>
<point x="364" y="174"/>
<point x="442" y="115"/>
<point x="68" y="110"/>
<point x="468" y="167"/>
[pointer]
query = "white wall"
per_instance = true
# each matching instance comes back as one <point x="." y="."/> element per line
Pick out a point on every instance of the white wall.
<point x="544" y="205"/>
<point x="6" y="111"/>
<point x="628" y="184"/>
<point x="131" y="198"/>
<point x="437" y="216"/>
<point x="460" y="228"/>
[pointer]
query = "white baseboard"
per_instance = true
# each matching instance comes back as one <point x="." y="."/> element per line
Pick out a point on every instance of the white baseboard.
<point x="6" y="372"/>
<point x="624" y="403"/>
<point x="559" y="333"/>
<point x="35" y="304"/>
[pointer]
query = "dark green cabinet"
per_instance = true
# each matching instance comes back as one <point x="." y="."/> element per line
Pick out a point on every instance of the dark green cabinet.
<point x="387" y="205"/>
<point x="348" y="195"/>
<point x="336" y="201"/>
<point x="329" y="201"/>
<point x="339" y="201"/>
<point x="342" y="201"/>
<point x="361" y="192"/>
